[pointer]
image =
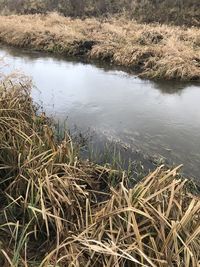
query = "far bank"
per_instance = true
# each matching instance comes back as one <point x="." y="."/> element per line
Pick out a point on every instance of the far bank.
<point x="153" y="51"/>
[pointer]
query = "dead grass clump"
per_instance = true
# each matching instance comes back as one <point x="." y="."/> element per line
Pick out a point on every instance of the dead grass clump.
<point x="147" y="38"/>
<point x="136" y="57"/>
<point x="156" y="223"/>
<point x="44" y="188"/>
<point x="178" y="61"/>
<point x="103" y="52"/>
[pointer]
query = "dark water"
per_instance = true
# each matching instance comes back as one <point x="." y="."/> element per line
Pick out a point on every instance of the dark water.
<point x="157" y="118"/>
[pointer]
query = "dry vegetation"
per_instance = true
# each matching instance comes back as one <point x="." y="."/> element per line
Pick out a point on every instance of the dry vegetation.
<point x="154" y="51"/>
<point x="57" y="210"/>
<point x="179" y="12"/>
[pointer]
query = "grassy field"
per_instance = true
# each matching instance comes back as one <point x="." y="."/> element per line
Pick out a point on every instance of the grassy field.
<point x="58" y="210"/>
<point x="153" y="51"/>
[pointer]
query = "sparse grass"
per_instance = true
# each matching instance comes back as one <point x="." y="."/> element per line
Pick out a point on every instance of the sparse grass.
<point x="154" y="51"/>
<point x="57" y="210"/>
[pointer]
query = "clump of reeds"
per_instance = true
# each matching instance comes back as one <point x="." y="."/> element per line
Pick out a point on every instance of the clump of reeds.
<point x="58" y="210"/>
<point x="154" y="51"/>
<point x="156" y="223"/>
<point x="44" y="187"/>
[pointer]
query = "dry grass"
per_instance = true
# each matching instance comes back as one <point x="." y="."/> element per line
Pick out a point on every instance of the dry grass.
<point x="154" y="51"/>
<point x="56" y="210"/>
<point x="156" y="223"/>
<point x="44" y="188"/>
<point x="176" y="12"/>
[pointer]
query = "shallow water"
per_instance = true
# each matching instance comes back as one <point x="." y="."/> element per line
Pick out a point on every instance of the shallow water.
<point x="157" y="118"/>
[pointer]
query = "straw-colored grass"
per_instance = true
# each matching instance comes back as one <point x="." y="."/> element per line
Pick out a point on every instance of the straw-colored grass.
<point x="154" y="51"/>
<point x="56" y="210"/>
<point x="156" y="223"/>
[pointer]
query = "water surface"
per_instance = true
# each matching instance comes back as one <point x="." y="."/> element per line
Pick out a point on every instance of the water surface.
<point x="157" y="118"/>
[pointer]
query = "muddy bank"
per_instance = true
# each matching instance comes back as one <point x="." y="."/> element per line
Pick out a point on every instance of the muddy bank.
<point x="153" y="51"/>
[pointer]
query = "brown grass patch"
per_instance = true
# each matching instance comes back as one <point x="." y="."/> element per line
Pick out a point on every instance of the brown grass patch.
<point x="154" y="51"/>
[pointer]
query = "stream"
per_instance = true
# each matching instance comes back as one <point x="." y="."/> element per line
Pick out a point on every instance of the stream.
<point x="160" y="119"/>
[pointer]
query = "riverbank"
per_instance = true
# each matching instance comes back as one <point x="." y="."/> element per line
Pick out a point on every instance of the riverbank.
<point x="57" y="209"/>
<point x="153" y="51"/>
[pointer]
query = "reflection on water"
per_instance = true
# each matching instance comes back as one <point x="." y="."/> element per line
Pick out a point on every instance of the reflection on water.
<point x="170" y="87"/>
<point x="161" y="118"/>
